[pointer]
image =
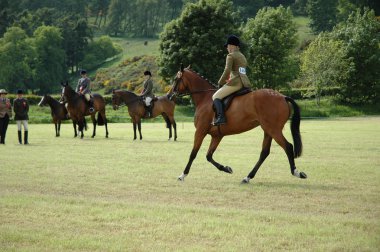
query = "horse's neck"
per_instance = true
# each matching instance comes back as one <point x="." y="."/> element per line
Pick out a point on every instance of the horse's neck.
<point x="52" y="102"/>
<point x="202" y="92"/>
<point x="129" y="97"/>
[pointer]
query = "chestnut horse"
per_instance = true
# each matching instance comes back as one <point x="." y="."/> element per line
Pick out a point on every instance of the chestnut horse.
<point x="58" y="112"/>
<point x="136" y="109"/>
<point x="264" y="107"/>
<point x="78" y="108"/>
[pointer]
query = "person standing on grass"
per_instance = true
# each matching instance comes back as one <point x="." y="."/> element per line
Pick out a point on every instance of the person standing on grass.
<point x="21" y="109"/>
<point x="5" y="114"/>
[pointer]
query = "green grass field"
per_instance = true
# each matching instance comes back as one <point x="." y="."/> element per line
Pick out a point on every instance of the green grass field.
<point x="121" y="195"/>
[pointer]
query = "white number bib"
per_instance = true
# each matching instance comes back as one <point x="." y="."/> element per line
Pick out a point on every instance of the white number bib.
<point x="242" y="70"/>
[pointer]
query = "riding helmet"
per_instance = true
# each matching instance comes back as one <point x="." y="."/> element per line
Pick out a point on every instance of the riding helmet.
<point x="232" y="40"/>
<point x="147" y="73"/>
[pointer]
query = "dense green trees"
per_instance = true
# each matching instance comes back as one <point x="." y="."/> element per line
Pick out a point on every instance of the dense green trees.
<point x="197" y="38"/>
<point x="16" y="58"/>
<point x="324" y="64"/>
<point x="323" y="14"/>
<point x="271" y="37"/>
<point x="361" y="39"/>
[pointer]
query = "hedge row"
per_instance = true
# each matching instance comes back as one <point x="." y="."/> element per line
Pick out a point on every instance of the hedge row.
<point x="295" y="93"/>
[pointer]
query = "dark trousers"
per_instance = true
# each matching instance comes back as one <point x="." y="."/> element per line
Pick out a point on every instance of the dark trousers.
<point x="3" y="127"/>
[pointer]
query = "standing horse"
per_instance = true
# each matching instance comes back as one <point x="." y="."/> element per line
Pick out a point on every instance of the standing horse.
<point x="78" y="108"/>
<point x="58" y="112"/>
<point x="264" y="107"/>
<point x="136" y="109"/>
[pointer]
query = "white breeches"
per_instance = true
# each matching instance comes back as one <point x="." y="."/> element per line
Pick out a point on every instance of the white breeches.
<point x="148" y="100"/>
<point x="24" y="123"/>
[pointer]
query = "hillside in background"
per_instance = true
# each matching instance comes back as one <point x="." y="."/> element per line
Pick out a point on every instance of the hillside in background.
<point x="139" y="54"/>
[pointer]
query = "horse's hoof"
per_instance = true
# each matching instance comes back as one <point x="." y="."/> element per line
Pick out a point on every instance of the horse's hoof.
<point x="303" y="175"/>
<point x="245" y="180"/>
<point x="229" y="169"/>
<point x="182" y="177"/>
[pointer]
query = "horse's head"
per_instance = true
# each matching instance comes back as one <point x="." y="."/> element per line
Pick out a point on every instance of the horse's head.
<point x="67" y="92"/>
<point x="43" y="101"/>
<point x="116" y="100"/>
<point x="180" y="83"/>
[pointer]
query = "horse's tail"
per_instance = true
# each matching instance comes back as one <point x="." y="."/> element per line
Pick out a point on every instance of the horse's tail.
<point x="168" y="123"/>
<point x="100" y="119"/>
<point x="295" y="128"/>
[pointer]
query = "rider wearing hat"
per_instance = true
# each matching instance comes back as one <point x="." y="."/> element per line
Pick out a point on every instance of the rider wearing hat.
<point x="233" y="78"/>
<point x="147" y="93"/>
<point x="5" y="114"/>
<point x="84" y="88"/>
<point x="21" y="109"/>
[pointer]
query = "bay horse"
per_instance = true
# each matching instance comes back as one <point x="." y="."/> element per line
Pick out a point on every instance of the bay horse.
<point x="78" y="108"/>
<point x="263" y="107"/>
<point x="162" y="106"/>
<point x="58" y="112"/>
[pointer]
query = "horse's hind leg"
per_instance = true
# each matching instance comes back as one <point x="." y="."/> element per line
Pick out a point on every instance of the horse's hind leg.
<point x="267" y="142"/>
<point x="215" y="140"/>
<point x="288" y="147"/>
<point x="175" y="129"/>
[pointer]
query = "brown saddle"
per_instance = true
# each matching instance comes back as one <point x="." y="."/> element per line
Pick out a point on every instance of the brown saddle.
<point x="228" y="99"/>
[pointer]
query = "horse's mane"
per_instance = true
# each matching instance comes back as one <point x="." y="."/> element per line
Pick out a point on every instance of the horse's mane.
<point x="201" y="76"/>
<point x="126" y="91"/>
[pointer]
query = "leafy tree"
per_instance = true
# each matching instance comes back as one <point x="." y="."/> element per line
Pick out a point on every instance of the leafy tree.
<point x="361" y="38"/>
<point x="50" y="61"/>
<point x="76" y="34"/>
<point x="324" y="64"/>
<point x="271" y="37"/>
<point x="323" y="14"/>
<point x="116" y="15"/>
<point x="16" y="57"/>
<point x="197" y="38"/>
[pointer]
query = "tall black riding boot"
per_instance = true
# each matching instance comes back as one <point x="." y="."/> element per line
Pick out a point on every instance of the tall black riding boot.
<point x="220" y="119"/>
<point x="26" y="137"/>
<point x="19" y="137"/>
<point x="91" y="104"/>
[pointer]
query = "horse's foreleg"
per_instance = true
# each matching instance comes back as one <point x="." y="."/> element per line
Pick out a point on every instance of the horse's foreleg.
<point x="94" y="124"/>
<point x="59" y="128"/>
<point x="56" y="129"/>
<point x="134" y="130"/>
<point x="75" y="129"/>
<point x="139" y="128"/>
<point x="175" y="130"/>
<point x="267" y="142"/>
<point x="213" y="145"/>
<point x="288" y="147"/>
<point x="198" y="139"/>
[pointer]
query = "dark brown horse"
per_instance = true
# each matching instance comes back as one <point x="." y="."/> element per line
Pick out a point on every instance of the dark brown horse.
<point x="264" y="107"/>
<point x="58" y="112"/>
<point x="78" y="108"/>
<point x="162" y="106"/>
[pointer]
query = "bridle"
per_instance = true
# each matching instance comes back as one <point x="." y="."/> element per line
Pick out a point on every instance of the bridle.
<point x="177" y="80"/>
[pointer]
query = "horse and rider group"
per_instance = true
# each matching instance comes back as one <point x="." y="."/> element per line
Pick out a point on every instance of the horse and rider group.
<point x="231" y="109"/>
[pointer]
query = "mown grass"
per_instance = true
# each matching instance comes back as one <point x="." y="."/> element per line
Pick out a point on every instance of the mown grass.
<point x="121" y="195"/>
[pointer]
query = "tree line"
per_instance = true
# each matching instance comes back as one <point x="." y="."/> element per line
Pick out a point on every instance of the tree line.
<point x="346" y="55"/>
<point x="49" y="40"/>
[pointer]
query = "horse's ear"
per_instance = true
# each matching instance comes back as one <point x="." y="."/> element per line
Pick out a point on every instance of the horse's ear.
<point x="67" y="83"/>
<point x="181" y="67"/>
<point x="62" y="84"/>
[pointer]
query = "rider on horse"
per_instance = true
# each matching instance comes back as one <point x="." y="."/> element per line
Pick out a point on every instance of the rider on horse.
<point x="84" y="88"/>
<point x="233" y="78"/>
<point x="147" y="93"/>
